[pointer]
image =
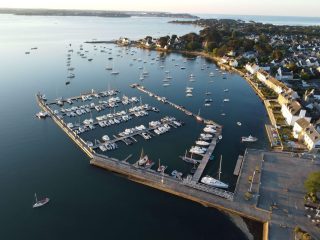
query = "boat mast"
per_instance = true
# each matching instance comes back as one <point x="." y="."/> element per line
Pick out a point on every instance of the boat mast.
<point x="159" y="163"/>
<point x="35" y="196"/>
<point x="220" y="166"/>
<point x="141" y="155"/>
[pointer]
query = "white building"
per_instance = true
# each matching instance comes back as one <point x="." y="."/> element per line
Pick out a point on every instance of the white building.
<point x="271" y="82"/>
<point x="305" y="131"/>
<point x="284" y="74"/>
<point x="233" y="63"/>
<point x="292" y="111"/>
<point x="252" y="68"/>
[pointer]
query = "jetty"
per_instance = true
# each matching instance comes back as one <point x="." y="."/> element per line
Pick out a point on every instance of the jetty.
<point x="179" y="107"/>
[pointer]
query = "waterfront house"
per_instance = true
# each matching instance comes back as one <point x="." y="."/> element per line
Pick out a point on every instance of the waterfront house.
<point x="224" y="60"/>
<point x="271" y="82"/>
<point x="292" y="111"/>
<point x="287" y="96"/>
<point x="233" y="63"/>
<point x="252" y="68"/>
<point x="306" y="132"/>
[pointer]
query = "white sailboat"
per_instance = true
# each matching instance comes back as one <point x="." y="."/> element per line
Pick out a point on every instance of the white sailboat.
<point x="215" y="182"/>
<point x="40" y="203"/>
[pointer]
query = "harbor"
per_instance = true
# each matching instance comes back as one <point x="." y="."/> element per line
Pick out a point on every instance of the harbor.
<point x="187" y="187"/>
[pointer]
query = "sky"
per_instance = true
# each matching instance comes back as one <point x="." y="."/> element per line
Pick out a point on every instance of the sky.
<point x="240" y="7"/>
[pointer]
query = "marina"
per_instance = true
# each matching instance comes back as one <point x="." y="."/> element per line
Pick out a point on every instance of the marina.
<point x="187" y="187"/>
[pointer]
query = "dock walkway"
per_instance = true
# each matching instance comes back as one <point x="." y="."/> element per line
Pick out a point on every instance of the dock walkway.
<point x="197" y="175"/>
<point x="181" y="108"/>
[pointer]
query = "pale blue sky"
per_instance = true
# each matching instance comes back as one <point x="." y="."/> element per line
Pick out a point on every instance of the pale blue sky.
<point x="246" y="7"/>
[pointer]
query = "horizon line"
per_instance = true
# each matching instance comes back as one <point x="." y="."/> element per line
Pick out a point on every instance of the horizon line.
<point x="150" y="11"/>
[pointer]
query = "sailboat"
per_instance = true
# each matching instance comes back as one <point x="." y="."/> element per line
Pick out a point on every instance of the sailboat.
<point x="198" y="116"/>
<point x="40" y="203"/>
<point x="114" y="72"/>
<point x="215" y="182"/>
<point x="143" y="159"/>
<point x="161" y="168"/>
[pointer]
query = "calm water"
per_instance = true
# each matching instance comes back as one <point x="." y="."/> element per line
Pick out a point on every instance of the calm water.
<point x="36" y="156"/>
<point x="277" y="20"/>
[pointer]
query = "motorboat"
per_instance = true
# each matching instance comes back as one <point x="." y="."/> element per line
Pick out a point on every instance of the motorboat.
<point x="249" y="139"/>
<point x="202" y="143"/>
<point x="239" y="123"/>
<point x="105" y="138"/>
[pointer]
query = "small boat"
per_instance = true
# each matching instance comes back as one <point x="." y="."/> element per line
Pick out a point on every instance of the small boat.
<point x="249" y="139"/>
<point x="226" y="100"/>
<point x="239" y="123"/>
<point x="211" y="74"/>
<point x="226" y="90"/>
<point x="40" y="203"/>
<point x="105" y="138"/>
<point x="161" y="168"/>
<point x="166" y="84"/>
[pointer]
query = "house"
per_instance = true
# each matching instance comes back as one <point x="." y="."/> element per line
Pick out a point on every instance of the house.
<point x="287" y="96"/>
<point x="249" y="55"/>
<point x="224" y="60"/>
<point x="312" y="62"/>
<point x="233" y="63"/>
<point x="252" y="68"/>
<point x="271" y="82"/>
<point x="284" y="74"/>
<point x="306" y="132"/>
<point x="293" y="111"/>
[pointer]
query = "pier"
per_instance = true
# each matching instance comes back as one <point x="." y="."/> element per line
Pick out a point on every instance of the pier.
<point x="197" y="175"/>
<point x="123" y="138"/>
<point x="181" y="108"/>
<point x="238" y="166"/>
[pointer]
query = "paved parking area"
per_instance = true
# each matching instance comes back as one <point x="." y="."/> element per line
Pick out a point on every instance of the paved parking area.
<point x="282" y="192"/>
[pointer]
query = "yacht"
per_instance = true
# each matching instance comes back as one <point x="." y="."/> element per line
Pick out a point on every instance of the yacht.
<point x="209" y="130"/>
<point x="239" y="123"/>
<point x="40" y="203"/>
<point x="211" y="74"/>
<point x="226" y="90"/>
<point x="249" y="139"/>
<point x="166" y="84"/>
<point x="202" y="143"/>
<point x="226" y="100"/>
<point x="42" y="114"/>
<point x="213" y="182"/>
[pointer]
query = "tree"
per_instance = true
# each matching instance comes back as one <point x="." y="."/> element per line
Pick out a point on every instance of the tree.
<point x="277" y="54"/>
<point x="312" y="184"/>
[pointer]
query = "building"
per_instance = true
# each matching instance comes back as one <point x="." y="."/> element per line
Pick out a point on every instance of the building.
<point x="271" y="82"/>
<point x="284" y="74"/>
<point x="305" y="132"/>
<point x="287" y="96"/>
<point x="233" y="63"/>
<point x="292" y="111"/>
<point x="252" y="68"/>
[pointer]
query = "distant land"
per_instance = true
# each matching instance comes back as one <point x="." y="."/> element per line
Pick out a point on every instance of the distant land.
<point x="91" y="13"/>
